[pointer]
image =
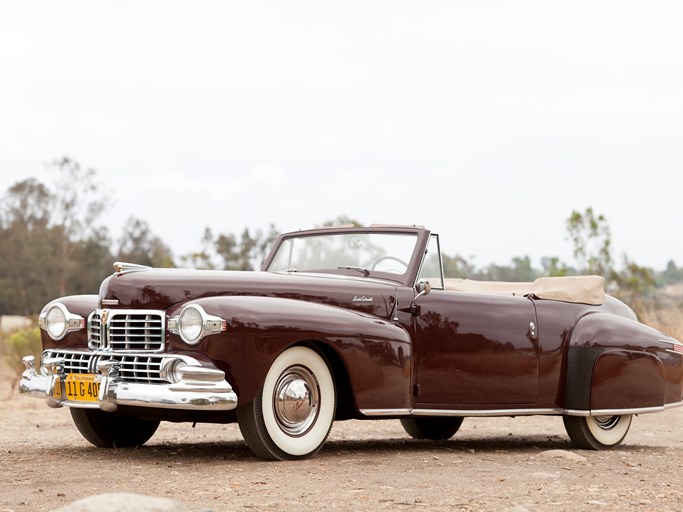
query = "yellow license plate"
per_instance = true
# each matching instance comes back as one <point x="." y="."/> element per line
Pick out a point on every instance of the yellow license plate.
<point x="81" y="387"/>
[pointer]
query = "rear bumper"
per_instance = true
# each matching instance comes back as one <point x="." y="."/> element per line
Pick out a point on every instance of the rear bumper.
<point x="197" y="388"/>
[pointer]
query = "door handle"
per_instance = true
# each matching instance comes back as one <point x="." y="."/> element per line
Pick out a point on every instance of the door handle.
<point x="533" y="332"/>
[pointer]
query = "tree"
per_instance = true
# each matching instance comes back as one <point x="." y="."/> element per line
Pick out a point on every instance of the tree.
<point x="28" y="263"/>
<point x="139" y="245"/>
<point x="246" y="252"/>
<point x="671" y="275"/>
<point x="634" y="282"/>
<point x="553" y="267"/>
<point x="457" y="266"/>
<point x="203" y="259"/>
<point x="520" y="271"/>
<point x="94" y="259"/>
<point x="592" y="239"/>
<point x="49" y="235"/>
<point x="77" y="201"/>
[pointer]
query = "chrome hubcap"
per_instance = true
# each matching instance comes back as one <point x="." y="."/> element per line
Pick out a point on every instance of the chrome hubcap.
<point x="296" y="400"/>
<point x="606" y="422"/>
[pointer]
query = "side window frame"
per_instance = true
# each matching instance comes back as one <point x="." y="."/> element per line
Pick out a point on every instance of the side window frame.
<point x="428" y="251"/>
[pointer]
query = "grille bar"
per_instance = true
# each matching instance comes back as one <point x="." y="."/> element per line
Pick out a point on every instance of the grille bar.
<point x="143" y="369"/>
<point x="125" y="330"/>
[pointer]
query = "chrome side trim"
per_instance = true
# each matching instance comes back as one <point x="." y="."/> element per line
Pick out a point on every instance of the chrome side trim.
<point x="620" y="412"/>
<point x="515" y="412"/>
<point x="576" y="412"/>
<point x="483" y="413"/>
<point x="385" y="412"/>
<point x="458" y="412"/>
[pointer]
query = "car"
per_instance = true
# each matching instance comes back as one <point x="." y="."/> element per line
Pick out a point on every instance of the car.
<point x="347" y="323"/>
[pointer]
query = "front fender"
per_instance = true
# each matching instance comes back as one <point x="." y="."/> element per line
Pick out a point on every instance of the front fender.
<point x="375" y="354"/>
<point x="81" y="305"/>
<point x="617" y="363"/>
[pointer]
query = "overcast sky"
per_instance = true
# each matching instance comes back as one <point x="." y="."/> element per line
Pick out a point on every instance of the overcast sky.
<point x="488" y="122"/>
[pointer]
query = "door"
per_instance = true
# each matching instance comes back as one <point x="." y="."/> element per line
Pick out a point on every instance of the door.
<point x="475" y="349"/>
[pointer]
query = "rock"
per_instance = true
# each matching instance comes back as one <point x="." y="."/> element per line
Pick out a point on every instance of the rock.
<point x="563" y="454"/>
<point x="123" y="502"/>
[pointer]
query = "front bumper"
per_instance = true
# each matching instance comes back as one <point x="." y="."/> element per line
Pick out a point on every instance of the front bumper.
<point x="197" y="388"/>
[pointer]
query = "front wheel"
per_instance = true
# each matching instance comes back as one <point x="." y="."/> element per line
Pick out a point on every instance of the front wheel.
<point x="291" y="417"/>
<point x="597" y="432"/>
<point x="434" y="428"/>
<point x="106" y="430"/>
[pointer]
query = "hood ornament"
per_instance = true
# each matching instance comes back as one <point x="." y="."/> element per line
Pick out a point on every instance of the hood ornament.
<point x="122" y="266"/>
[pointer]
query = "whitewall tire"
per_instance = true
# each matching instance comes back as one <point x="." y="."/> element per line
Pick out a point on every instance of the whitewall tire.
<point x="597" y="432"/>
<point x="291" y="417"/>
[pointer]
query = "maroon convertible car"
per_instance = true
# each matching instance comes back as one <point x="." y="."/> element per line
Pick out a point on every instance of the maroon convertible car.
<point x="345" y="323"/>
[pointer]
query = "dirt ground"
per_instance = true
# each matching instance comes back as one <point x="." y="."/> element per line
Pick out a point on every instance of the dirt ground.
<point x="502" y="464"/>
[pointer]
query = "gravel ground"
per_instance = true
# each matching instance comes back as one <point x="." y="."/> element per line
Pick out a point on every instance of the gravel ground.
<point x="513" y="464"/>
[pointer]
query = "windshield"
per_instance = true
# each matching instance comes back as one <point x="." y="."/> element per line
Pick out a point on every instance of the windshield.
<point x="361" y="252"/>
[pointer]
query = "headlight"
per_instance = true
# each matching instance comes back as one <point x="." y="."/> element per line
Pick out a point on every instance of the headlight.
<point x="58" y="321"/>
<point x="190" y="324"/>
<point x="193" y="324"/>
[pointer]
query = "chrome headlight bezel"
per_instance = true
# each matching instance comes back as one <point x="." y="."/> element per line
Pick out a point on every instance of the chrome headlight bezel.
<point x="193" y="324"/>
<point x="57" y="321"/>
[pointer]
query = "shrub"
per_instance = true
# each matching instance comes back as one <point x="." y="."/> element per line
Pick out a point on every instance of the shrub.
<point x="20" y="343"/>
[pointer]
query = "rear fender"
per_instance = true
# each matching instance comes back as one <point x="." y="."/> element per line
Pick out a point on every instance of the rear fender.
<point x="617" y="363"/>
<point x="375" y="353"/>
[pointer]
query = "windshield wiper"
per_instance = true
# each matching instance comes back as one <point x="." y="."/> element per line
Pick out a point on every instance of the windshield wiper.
<point x="365" y="271"/>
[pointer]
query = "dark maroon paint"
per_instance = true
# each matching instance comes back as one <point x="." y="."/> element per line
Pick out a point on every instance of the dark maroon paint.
<point x="455" y="351"/>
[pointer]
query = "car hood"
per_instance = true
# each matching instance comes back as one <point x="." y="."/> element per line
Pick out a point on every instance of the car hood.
<point x="163" y="288"/>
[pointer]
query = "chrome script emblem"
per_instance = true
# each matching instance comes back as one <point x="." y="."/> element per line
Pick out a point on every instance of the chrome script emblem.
<point x="362" y="298"/>
<point x="110" y="302"/>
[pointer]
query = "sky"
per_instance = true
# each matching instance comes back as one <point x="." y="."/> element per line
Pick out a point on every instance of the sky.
<point x="488" y="122"/>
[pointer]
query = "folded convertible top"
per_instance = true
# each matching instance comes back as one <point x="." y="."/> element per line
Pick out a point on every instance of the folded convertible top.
<point x="579" y="289"/>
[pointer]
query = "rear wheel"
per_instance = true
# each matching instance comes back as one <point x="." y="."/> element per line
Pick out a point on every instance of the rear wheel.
<point x="434" y="428"/>
<point x="291" y="417"/>
<point x="597" y="432"/>
<point x="106" y="430"/>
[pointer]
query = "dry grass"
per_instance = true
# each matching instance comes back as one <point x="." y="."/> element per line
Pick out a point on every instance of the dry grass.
<point x="667" y="318"/>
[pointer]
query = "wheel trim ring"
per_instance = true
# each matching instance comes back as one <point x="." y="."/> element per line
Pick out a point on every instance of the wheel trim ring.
<point x="296" y="401"/>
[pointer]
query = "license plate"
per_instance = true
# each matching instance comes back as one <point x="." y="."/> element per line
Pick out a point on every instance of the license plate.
<point x="81" y="387"/>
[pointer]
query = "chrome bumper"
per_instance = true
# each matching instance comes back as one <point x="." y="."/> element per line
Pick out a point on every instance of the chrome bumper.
<point x="197" y="388"/>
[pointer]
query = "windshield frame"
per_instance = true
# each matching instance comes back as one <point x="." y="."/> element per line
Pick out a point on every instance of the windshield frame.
<point x="406" y="279"/>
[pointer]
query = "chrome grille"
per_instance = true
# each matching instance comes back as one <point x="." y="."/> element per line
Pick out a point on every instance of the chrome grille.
<point x="95" y="330"/>
<point x="126" y="330"/>
<point x="140" y="369"/>
<point x="74" y="363"/>
<point x="143" y="369"/>
<point x="134" y="331"/>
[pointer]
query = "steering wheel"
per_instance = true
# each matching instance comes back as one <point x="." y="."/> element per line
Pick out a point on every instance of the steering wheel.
<point x="392" y="258"/>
